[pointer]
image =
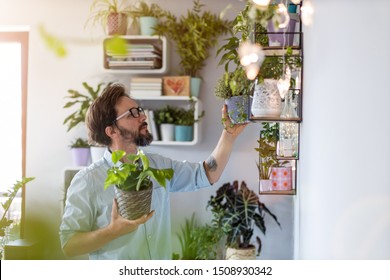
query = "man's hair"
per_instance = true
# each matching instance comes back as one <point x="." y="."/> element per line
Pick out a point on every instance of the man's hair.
<point x="102" y="113"/>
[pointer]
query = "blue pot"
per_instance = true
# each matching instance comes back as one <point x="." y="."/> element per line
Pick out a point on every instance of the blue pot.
<point x="184" y="133"/>
<point x="238" y="108"/>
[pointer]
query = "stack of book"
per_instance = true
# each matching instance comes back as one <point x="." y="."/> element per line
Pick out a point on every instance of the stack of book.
<point x="139" y="56"/>
<point x="145" y="87"/>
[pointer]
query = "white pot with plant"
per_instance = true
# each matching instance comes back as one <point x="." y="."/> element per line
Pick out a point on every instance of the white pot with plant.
<point x="146" y="16"/>
<point x="132" y="176"/>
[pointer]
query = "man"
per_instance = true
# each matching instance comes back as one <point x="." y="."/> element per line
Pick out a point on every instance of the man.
<point x="91" y="222"/>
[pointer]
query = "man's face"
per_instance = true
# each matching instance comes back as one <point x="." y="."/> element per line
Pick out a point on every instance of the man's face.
<point x="131" y="123"/>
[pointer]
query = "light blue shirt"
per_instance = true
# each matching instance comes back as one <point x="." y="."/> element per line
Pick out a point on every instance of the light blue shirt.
<point x="88" y="208"/>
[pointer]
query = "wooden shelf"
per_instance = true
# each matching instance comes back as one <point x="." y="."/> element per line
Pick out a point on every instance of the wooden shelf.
<point x="291" y="192"/>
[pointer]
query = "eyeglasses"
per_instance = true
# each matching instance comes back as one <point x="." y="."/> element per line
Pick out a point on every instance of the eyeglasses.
<point x="135" y="112"/>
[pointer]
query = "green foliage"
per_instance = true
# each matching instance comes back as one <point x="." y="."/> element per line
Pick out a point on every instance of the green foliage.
<point x="83" y="101"/>
<point x="198" y="242"/>
<point x="80" y="143"/>
<point x="10" y="195"/>
<point x="101" y="9"/>
<point x="143" y="9"/>
<point x="194" y="34"/>
<point x="233" y="84"/>
<point x="238" y="210"/>
<point x="269" y="136"/>
<point x="134" y="173"/>
<point x="165" y="114"/>
<point x="52" y="42"/>
<point x="183" y="116"/>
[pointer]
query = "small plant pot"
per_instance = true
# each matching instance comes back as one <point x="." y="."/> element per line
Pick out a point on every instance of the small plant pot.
<point x="195" y="86"/>
<point x="265" y="185"/>
<point x="80" y="156"/>
<point x="167" y="132"/>
<point x="266" y="99"/>
<point x="133" y="204"/>
<point x="241" y="253"/>
<point x="184" y="133"/>
<point x="147" y="24"/>
<point x="281" y="178"/>
<point x="117" y="24"/>
<point x="282" y="36"/>
<point x="237" y="107"/>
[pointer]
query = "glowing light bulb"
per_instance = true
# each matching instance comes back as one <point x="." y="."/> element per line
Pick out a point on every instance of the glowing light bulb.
<point x="307" y="11"/>
<point x="284" y="83"/>
<point x="296" y="2"/>
<point x="252" y="70"/>
<point x="284" y="16"/>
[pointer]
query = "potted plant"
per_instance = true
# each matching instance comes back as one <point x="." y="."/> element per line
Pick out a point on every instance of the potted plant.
<point x="111" y="14"/>
<point x="194" y="35"/>
<point x="6" y="223"/>
<point x="132" y="177"/>
<point x="80" y="152"/>
<point x="165" y="119"/>
<point x="184" y="120"/>
<point x="235" y="88"/>
<point x="268" y="159"/>
<point x="146" y="16"/>
<point x="83" y="100"/>
<point x="238" y="210"/>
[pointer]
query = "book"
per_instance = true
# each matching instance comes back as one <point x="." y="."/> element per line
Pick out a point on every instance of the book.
<point x="153" y="125"/>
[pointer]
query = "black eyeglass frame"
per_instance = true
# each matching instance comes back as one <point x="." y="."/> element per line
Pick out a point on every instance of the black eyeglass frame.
<point x="135" y="112"/>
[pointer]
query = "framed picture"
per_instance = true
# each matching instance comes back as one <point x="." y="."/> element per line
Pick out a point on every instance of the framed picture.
<point x="176" y="85"/>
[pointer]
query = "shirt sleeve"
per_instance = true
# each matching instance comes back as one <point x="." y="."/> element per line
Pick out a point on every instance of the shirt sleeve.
<point x="78" y="213"/>
<point x="187" y="176"/>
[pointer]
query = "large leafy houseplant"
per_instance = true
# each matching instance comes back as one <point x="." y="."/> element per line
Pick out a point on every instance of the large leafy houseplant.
<point x="238" y="211"/>
<point x="83" y="101"/>
<point x="134" y="173"/>
<point x="5" y="223"/>
<point x="133" y="183"/>
<point x="194" y="34"/>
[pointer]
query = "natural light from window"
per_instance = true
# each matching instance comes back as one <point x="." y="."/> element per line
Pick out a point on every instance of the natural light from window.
<point x="11" y="119"/>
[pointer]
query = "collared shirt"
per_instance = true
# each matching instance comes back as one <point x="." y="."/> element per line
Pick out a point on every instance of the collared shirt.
<point x="88" y="208"/>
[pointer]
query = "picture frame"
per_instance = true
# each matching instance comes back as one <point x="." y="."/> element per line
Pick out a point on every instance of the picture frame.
<point x="176" y="85"/>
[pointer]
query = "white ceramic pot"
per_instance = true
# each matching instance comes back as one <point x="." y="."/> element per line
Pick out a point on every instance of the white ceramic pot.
<point x="266" y="99"/>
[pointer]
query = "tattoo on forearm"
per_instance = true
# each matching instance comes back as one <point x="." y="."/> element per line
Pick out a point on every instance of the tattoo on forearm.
<point x="211" y="163"/>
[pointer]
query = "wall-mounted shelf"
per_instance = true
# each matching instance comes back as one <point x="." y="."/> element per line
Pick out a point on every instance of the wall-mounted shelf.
<point x="147" y="55"/>
<point x="153" y="103"/>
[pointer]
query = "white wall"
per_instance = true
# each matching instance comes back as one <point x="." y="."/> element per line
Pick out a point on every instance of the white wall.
<point x="344" y="180"/>
<point x="47" y="140"/>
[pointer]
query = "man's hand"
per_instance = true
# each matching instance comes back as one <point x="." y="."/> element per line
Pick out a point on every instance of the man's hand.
<point x="234" y="129"/>
<point x="120" y="226"/>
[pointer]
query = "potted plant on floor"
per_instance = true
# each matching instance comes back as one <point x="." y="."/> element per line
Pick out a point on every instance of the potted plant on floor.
<point x="238" y="210"/>
<point x="194" y="35"/>
<point x="111" y="14"/>
<point x="235" y="89"/>
<point x="146" y="16"/>
<point x="184" y="120"/>
<point x="80" y="152"/>
<point x="132" y="177"/>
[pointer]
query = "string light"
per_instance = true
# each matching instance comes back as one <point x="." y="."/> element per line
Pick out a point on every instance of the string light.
<point x="307" y="12"/>
<point x="251" y="58"/>
<point x="261" y="2"/>
<point x="283" y="16"/>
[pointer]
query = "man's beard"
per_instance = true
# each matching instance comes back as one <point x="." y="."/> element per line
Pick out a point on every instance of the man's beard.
<point x="136" y="137"/>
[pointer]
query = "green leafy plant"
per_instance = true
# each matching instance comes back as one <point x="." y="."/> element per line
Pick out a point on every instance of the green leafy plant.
<point x="134" y="173"/>
<point x="83" y="101"/>
<point x="165" y="114"/>
<point x="233" y="84"/>
<point x="198" y="242"/>
<point x="194" y="34"/>
<point x="5" y="222"/>
<point x="80" y="143"/>
<point x="185" y="116"/>
<point x="269" y="136"/>
<point x="143" y="9"/>
<point x="101" y="9"/>
<point x="238" y="210"/>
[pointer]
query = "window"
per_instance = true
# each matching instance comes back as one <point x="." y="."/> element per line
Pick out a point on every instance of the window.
<point x="13" y="103"/>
